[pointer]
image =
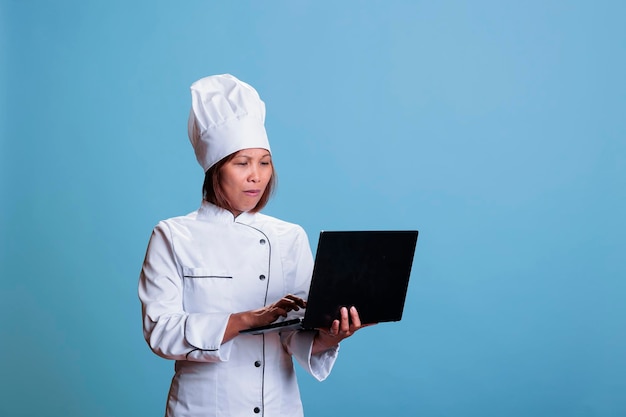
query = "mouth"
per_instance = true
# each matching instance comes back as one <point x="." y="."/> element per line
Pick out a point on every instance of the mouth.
<point x="252" y="193"/>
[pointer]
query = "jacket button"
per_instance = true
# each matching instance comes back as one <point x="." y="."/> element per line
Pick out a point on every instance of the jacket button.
<point x="261" y="277"/>
<point x="262" y="241"/>
<point x="257" y="410"/>
<point x="257" y="363"/>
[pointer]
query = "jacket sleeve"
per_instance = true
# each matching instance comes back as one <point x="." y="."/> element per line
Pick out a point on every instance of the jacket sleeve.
<point x="299" y="269"/>
<point x="171" y="332"/>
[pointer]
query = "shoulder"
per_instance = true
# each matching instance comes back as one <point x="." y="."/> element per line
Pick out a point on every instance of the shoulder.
<point x="289" y="239"/>
<point x="176" y="223"/>
<point x="286" y="234"/>
<point x="278" y="227"/>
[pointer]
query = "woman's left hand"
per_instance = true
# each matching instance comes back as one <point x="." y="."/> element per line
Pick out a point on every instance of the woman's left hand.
<point x="340" y="329"/>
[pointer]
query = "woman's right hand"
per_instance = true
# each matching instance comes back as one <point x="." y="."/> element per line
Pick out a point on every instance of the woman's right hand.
<point x="262" y="316"/>
<point x="271" y="313"/>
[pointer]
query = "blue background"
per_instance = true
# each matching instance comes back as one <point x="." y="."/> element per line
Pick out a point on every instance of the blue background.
<point x="496" y="128"/>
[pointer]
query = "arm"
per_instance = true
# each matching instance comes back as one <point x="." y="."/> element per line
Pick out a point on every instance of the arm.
<point x="172" y="332"/>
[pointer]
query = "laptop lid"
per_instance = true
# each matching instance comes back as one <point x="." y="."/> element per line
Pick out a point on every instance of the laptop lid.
<point x="366" y="269"/>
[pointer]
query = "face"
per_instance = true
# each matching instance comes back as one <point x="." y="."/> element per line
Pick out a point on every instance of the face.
<point x="244" y="178"/>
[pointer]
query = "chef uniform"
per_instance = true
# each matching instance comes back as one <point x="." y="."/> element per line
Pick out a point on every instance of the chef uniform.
<point x="204" y="266"/>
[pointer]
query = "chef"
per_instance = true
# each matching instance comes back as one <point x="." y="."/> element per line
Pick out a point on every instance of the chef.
<point x="226" y="267"/>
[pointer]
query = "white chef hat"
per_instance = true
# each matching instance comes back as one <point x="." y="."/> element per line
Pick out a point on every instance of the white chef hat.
<point x="226" y="115"/>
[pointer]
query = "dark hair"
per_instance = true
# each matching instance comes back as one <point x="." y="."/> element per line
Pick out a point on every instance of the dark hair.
<point x="213" y="193"/>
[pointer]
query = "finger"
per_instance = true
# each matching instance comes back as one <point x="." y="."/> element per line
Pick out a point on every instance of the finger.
<point x="287" y="303"/>
<point x="291" y="306"/>
<point x="297" y="300"/>
<point x="356" y="320"/>
<point x="334" y="328"/>
<point x="292" y="299"/>
<point x="345" y="321"/>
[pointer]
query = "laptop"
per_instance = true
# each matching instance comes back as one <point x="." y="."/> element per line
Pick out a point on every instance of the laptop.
<point x="366" y="269"/>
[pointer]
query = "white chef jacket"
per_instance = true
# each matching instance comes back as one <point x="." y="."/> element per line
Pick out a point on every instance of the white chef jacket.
<point x="198" y="270"/>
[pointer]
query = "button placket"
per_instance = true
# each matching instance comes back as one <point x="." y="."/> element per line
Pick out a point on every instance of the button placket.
<point x="262" y="242"/>
<point x="263" y="277"/>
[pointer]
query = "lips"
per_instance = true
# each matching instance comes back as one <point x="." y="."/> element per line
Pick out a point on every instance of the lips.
<point x="252" y="193"/>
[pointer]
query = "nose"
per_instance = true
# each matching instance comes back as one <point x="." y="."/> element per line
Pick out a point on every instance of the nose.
<point x="254" y="174"/>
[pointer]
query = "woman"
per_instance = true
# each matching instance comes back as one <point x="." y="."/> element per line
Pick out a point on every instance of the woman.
<point x="226" y="267"/>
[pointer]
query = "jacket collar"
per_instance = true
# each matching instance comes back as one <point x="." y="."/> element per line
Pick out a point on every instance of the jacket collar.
<point x="213" y="213"/>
